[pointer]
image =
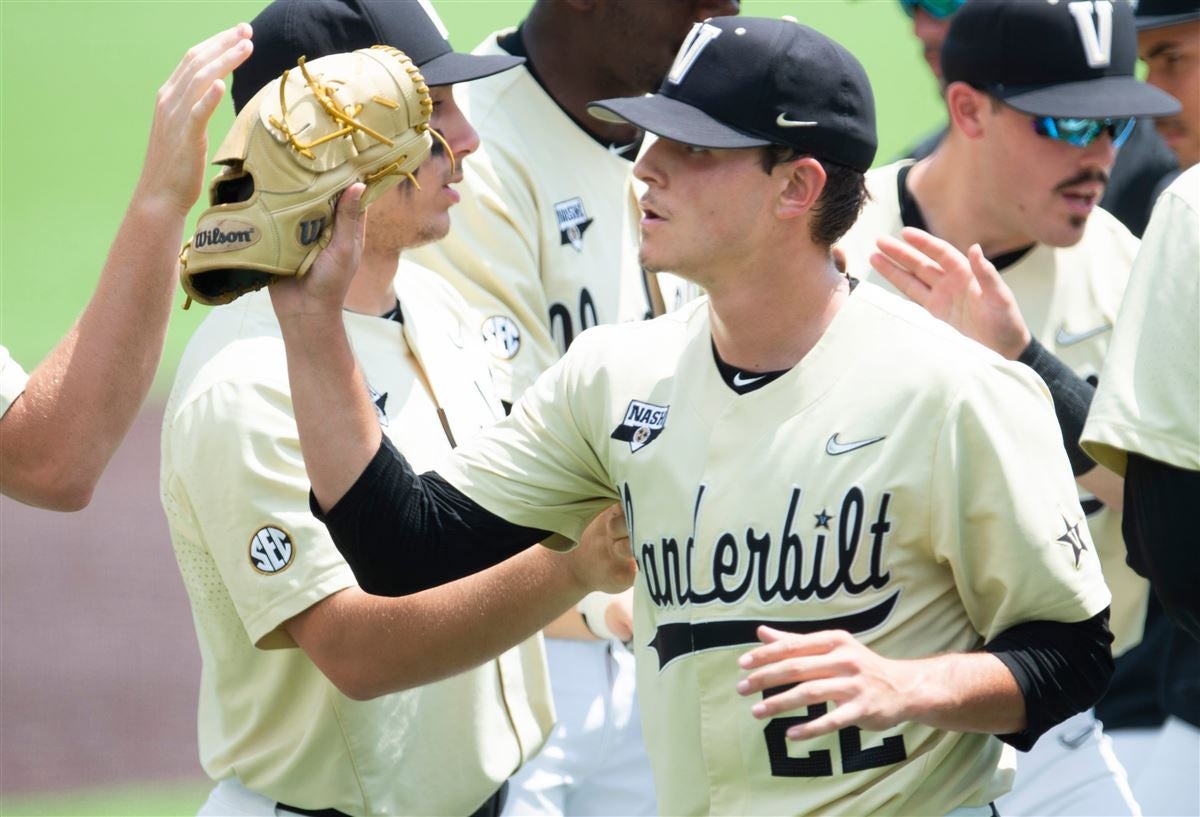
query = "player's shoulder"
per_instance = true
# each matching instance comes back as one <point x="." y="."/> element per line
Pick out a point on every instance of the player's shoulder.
<point x="237" y="343"/>
<point x="641" y="344"/>
<point x="1185" y="190"/>
<point x="883" y="178"/>
<point x="904" y="339"/>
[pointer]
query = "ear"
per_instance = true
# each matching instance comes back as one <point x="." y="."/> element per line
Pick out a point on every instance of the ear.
<point x="968" y="108"/>
<point x="804" y="181"/>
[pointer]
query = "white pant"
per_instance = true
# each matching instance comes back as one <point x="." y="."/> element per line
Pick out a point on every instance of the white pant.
<point x="595" y="761"/>
<point x="1163" y="765"/>
<point x="231" y="799"/>
<point x="1072" y="770"/>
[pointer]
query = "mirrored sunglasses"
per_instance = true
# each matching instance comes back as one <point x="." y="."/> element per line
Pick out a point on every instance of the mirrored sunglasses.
<point x="938" y="9"/>
<point x="1082" y="132"/>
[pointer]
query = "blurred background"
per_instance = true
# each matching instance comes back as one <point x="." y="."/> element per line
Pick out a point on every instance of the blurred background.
<point x="98" y="661"/>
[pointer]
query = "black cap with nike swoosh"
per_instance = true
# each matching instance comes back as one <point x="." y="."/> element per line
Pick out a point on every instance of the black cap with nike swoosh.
<point x="741" y="82"/>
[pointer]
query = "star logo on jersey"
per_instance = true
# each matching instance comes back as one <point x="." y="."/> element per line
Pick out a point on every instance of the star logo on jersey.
<point x="573" y="222"/>
<point x="642" y="424"/>
<point x="822" y="519"/>
<point x="380" y="401"/>
<point x="1073" y="537"/>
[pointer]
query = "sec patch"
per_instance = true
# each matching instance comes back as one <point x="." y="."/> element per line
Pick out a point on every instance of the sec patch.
<point x="271" y="550"/>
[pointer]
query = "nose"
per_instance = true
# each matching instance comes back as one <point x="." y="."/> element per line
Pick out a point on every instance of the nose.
<point x="452" y="123"/>
<point x="648" y="168"/>
<point x="1101" y="153"/>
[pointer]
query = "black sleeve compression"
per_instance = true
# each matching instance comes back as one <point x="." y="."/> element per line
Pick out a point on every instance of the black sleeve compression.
<point x="1072" y="399"/>
<point x="1062" y="669"/>
<point x="1160" y="535"/>
<point x="401" y="532"/>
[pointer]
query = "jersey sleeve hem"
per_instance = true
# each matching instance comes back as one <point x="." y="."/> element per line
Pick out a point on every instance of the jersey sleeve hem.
<point x="1109" y="442"/>
<point x="265" y="627"/>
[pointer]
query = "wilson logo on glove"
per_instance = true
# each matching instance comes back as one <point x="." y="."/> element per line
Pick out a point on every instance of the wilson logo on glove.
<point x="299" y="142"/>
<point x="227" y="235"/>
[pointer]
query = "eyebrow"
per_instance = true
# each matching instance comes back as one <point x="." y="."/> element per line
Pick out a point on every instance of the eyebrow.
<point x="1160" y="48"/>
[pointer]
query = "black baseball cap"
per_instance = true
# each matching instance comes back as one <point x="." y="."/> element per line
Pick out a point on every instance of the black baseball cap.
<point x="1067" y="59"/>
<point x="740" y="82"/>
<point x="288" y="29"/>
<point x="1158" y="13"/>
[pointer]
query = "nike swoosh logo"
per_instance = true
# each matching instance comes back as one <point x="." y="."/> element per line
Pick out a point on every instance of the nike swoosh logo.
<point x="740" y="381"/>
<point x="1076" y="741"/>
<point x="833" y="447"/>
<point x="1065" y="338"/>
<point x="783" y="122"/>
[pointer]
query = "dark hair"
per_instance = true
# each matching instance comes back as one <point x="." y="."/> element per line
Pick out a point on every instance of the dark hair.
<point x="841" y="201"/>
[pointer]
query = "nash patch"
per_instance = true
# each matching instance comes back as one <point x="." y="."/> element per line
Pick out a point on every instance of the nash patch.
<point x="573" y="221"/>
<point x="271" y="550"/>
<point x="225" y="235"/>
<point x="643" y="422"/>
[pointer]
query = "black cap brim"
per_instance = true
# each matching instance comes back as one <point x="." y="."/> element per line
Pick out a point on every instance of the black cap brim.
<point x="1147" y="22"/>
<point x="674" y="120"/>
<point x="454" y="67"/>
<point x="1092" y="99"/>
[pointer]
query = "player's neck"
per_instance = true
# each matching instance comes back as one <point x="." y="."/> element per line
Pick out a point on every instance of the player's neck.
<point x="372" y="291"/>
<point x="957" y="207"/>
<point x="557" y="48"/>
<point x="767" y="318"/>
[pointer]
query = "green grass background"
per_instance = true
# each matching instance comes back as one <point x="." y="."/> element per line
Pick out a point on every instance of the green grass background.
<point x="77" y="84"/>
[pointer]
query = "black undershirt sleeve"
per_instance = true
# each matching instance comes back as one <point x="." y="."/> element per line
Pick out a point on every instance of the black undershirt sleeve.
<point x="1072" y="398"/>
<point x="1062" y="669"/>
<point x="1160" y="535"/>
<point x="401" y="532"/>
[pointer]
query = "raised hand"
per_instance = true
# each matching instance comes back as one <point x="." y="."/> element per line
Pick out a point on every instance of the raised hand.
<point x="964" y="291"/>
<point x="322" y="290"/>
<point x="173" y="173"/>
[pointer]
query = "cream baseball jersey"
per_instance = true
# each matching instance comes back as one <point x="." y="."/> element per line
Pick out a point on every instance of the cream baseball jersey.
<point x="1148" y="400"/>
<point x="252" y="556"/>
<point x="1069" y="297"/>
<point x="544" y="243"/>
<point x="900" y="483"/>
<point x="12" y="380"/>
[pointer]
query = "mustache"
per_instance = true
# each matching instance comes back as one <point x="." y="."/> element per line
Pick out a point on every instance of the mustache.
<point x="1083" y="177"/>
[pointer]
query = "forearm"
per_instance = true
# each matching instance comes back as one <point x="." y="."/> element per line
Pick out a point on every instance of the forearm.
<point x="339" y="430"/>
<point x="82" y="399"/>
<point x="379" y="645"/>
<point x="965" y="692"/>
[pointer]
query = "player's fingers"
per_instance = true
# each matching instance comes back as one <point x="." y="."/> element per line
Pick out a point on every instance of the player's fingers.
<point x="911" y="259"/>
<point x="942" y="253"/>
<point x="799" y="697"/>
<point x="790" y="671"/>
<point x="202" y="111"/>
<point x="778" y="645"/>
<point x="908" y="284"/>
<point x="202" y="53"/>
<point x="846" y="714"/>
<point x="218" y="69"/>
<point x="984" y="270"/>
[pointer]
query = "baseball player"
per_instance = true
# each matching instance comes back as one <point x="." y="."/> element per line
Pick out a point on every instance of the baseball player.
<point x="1144" y="165"/>
<point x="545" y="245"/>
<point x="1020" y="175"/>
<point x="803" y="461"/>
<point x="60" y="424"/>
<point x="1144" y="425"/>
<point x="315" y="696"/>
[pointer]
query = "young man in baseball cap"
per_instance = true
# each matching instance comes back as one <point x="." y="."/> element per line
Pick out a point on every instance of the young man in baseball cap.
<point x="1169" y="44"/>
<point x="802" y="461"/>
<point x="1040" y="96"/>
<point x="317" y="698"/>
